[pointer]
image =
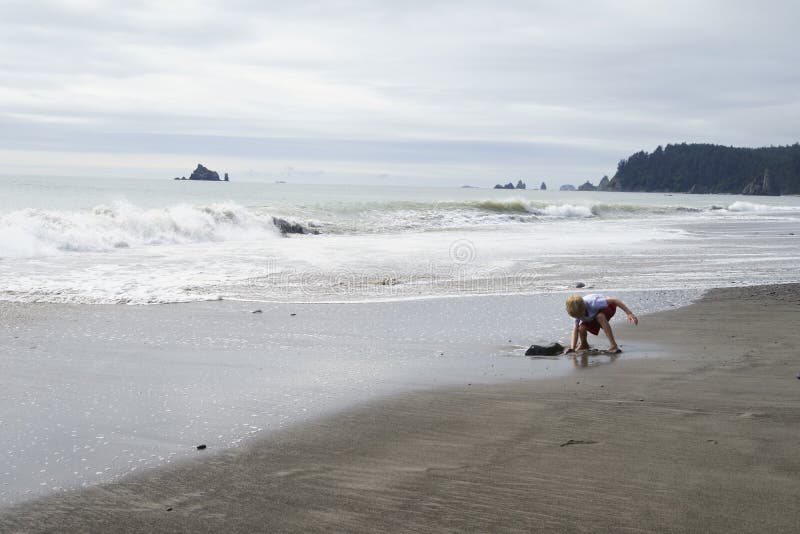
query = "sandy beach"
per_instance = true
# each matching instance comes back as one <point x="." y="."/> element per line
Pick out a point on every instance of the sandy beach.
<point x="278" y="267"/>
<point x="701" y="435"/>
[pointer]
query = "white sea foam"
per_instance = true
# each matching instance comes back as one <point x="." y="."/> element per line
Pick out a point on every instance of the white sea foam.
<point x="565" y="210"/>
<point x="36" y="232"/>
<point x="752" y="207"/>
<point x="388" y="246"/>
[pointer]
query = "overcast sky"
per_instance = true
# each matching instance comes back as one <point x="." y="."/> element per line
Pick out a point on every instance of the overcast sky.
<point x="387" y="92"/>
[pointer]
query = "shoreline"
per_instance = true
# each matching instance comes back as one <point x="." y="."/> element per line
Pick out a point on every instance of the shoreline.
<point x="700" y="440"/>
<point x="95" y="393"/>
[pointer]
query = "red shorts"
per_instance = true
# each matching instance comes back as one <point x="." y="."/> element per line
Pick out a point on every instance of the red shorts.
<point x="593" y="326"/>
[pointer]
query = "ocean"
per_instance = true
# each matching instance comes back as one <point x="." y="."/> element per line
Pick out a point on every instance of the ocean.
<point x="100" y="241"/>
<point x="142" y="318"/>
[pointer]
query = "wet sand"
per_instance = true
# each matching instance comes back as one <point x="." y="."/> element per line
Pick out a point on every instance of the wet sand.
<point x="703" y="438"/>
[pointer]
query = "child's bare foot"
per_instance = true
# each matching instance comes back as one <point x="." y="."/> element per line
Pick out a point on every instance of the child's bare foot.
<point x="614" y="350"/>
<point x="583" y="347"/>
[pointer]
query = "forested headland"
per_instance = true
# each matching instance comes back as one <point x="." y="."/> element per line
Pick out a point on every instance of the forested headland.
<point x="706" y="168"/>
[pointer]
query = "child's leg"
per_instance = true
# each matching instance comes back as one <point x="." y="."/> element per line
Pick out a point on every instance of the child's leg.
<point x="584" y="344"/>
<point x="601" y="318"/>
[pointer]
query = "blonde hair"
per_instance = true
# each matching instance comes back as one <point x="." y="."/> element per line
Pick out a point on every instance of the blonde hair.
<point x="575" y="306"/>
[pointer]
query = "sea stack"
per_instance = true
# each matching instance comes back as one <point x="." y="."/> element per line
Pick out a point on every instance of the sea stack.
<point x="202" y="173"/>
<point x="761" y="185"/>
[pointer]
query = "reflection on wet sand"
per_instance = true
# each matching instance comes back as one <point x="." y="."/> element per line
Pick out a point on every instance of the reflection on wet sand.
<point x="591" y="358"/>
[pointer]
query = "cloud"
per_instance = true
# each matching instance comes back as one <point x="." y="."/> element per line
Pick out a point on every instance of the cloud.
<point x="488" y="85"/>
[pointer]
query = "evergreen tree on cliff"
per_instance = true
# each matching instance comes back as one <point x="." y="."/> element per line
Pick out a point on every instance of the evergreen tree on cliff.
<point x="704" y="168"/>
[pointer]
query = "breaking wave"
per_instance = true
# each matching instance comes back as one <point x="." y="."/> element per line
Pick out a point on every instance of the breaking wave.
<point x="741" y="206"/>
<point x="36" y="232"/>
<point x="28" y="233"/>
<point x="420" y="216"/>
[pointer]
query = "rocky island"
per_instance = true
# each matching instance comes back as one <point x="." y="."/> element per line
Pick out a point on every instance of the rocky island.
<point x="204" y="174"/>
<point x="510" y="185"/>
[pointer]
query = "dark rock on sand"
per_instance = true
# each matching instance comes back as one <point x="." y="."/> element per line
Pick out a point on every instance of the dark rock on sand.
<point x="578" y="442"/>
<point x="545" y="350"/>
<point x="257" y="311"/>
<point x="201" y="447"/>
<point x="580" y="285"/>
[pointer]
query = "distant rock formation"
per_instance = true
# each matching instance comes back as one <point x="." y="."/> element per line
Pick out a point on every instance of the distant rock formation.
<point x="587" y="187"/>
<point x="761" y="186"/>
<point x="226" y="179"/>
<point x="567" y="187"/>
<point x="543" y="187"/>
<point x="202" y="173"/>
<point x="697" y="189"/>
<point x="510" y="185"/>
<point x="287" y="227"/>
<point x="604" y="184"/>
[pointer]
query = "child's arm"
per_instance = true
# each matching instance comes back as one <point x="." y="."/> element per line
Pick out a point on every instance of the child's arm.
<point x="573" y="341"/>
<point x="619" y="304"/>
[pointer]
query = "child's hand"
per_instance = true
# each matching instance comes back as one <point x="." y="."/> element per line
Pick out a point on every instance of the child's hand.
<point x="633" y="319"/>
<point x="568" y="350"/>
